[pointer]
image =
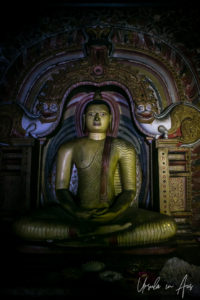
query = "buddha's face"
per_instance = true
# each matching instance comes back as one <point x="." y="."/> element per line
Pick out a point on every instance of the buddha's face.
<point x="97" y="118"/>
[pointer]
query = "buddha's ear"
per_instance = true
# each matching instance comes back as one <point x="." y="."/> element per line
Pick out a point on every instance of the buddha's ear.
<point x="83" y="122"/>
<point x="110" y="126"/>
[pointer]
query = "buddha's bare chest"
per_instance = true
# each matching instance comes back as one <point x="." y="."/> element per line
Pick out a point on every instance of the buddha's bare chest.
<point x="88" y="154"/>
<point x="90" y="157"/>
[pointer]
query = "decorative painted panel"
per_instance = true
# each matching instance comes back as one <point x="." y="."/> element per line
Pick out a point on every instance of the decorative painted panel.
<point x="177" y="194"/>
<point x="174" y="178"/>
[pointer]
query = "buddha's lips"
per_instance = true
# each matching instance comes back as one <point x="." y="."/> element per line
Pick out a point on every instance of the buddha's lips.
<point x="97" y="124"/>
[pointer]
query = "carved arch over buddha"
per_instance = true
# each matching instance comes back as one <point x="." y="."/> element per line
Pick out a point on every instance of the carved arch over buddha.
<point x="131" y="45"/>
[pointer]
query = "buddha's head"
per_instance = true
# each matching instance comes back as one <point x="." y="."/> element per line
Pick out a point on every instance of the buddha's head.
<point x="97" y="116"/>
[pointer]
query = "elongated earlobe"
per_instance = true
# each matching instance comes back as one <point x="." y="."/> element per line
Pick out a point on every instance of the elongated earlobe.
<point x="110" y="127"/>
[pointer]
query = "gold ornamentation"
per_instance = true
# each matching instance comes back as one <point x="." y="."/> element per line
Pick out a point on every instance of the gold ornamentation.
<point x="187" y="119"/>
<point x="140" y="43"/>
<point x="174" y="183"/>
<point x="80" y="71"/>
<point x="164" y="180"/>
<point x="177" y="194"/>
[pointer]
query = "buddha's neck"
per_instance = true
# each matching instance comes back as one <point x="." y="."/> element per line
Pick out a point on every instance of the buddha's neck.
<point x="97" y="136"/>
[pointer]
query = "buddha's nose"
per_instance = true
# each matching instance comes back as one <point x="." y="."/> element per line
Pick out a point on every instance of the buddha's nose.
<point x="97" y="118"/>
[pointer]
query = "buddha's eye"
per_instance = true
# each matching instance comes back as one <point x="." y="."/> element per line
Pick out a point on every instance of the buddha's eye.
<point x="91" y="114"/>
<point x="102" y="114"/>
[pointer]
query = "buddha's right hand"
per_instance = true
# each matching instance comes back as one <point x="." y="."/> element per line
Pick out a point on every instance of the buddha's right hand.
<point x="99" y="212"/>
<point x="89" y="214"/>
<point x="83" y="214"/>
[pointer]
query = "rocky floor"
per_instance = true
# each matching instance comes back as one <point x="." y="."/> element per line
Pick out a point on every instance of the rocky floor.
<point x="28" y="272"/>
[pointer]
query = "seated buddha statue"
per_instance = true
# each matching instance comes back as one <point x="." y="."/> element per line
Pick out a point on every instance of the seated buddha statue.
<point x="95" y="215"/>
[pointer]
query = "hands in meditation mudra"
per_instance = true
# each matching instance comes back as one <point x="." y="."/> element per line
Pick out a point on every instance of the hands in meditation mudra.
<point x="96" y="215"/>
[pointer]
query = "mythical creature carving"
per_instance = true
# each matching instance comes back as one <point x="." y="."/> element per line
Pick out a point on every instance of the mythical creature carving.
<point x="180" y="120"/>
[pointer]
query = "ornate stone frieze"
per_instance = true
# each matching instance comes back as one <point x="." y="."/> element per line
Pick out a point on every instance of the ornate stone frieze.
<point x="180" y="121"/>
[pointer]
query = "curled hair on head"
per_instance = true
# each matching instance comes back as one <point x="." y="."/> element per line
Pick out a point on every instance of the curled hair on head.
<point x="97" y="102"/>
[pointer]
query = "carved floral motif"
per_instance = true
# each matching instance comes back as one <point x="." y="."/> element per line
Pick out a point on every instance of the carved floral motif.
<point x="177" y="194"/>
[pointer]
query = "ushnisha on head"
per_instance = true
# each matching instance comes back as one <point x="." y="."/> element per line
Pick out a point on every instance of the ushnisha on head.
<point x="97" y="118"/>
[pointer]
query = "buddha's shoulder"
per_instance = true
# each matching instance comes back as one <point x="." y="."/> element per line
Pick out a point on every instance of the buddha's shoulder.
<point x="122" y="144"/>
<point x="71" y="144"/>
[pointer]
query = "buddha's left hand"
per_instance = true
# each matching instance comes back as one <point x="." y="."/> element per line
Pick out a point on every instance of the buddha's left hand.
<point x="89" y="213"/>
<point x="103" y="217"/>
<point x="121" y="204"/>
<point x="83" y="214"/>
